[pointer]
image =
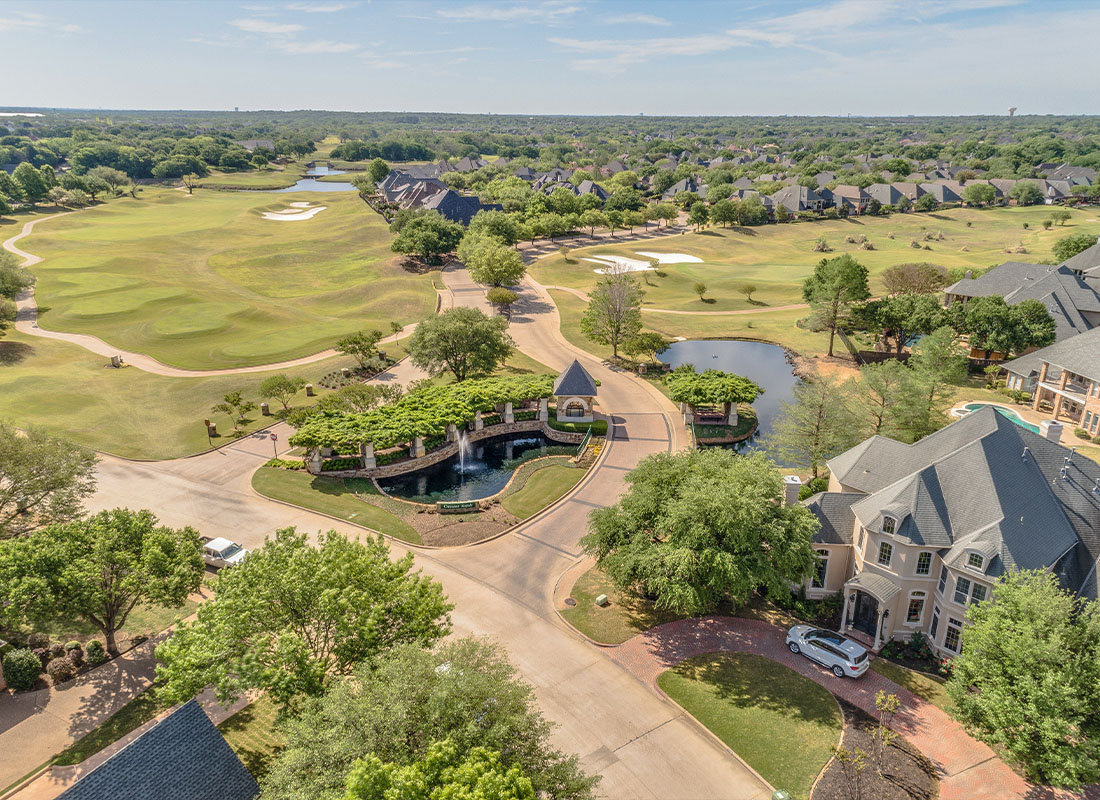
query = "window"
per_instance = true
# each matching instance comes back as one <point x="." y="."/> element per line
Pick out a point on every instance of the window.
<point x="915" y="612"/>
<point x="975" y="560"/>
<point x="924" y="563"/>
<point x="943" y="579"/>
<point x="951" y="638"/>
<point x="862" y="536"/>
<point x="962" y="590"/>
<point x="977" y="594"/>
<point x="885" y="553"/>
<point x="822" y="569"/>
<point x="935" y="623"/>
<point x="888" y="524"/>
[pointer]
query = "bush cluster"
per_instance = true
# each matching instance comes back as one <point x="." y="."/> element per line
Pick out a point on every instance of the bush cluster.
<point x="339" y="464"/>
<point x="61" y="669"/>
<point x="21" y="669"/>
<point x="94" y="652"/>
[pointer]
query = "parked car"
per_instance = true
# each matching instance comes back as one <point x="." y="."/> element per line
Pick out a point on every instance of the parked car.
<point x="221" y="552"/>
<point x="841" y="655"/>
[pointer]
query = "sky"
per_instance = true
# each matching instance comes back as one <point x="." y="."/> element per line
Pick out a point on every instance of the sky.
<point x="859" y="57"/>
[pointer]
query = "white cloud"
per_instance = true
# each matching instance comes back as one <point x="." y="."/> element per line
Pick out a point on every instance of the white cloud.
<point x="318" y="46"/>
<point x="27" y="20"/>
<point x="265" y="26"/>
<point x="636" y="19"/>
<point x="319" y="8"/>
<point x="536" y="12"/>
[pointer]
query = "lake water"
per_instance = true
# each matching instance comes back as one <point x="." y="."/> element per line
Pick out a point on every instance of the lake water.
<point x="488" y="468"/>
<point x="309" y="182"/>
<point x="764" y="364"/>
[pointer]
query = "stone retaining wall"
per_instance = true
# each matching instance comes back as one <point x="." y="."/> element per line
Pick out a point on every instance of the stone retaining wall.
<point x="449" y="449"/>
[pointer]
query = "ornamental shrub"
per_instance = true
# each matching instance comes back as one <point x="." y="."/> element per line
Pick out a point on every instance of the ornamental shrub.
<point x="57" y="650"/>
<point x="21" y="669"/>
<point x="76" y="655"/>
<point x="1081" y="433"/>
<point x="36" y="640"/>
<point x="94" y="652"/>
<point x="43" y="656"/>
<point x="60" y="670"/>
<point x="73" y="645"/>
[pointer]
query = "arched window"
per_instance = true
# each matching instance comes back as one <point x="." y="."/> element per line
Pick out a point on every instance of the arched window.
<point x="889" y="524"/>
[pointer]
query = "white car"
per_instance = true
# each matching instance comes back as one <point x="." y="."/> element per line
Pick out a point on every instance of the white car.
<point x="222" y="553"/>
<point x="843" y="656"/>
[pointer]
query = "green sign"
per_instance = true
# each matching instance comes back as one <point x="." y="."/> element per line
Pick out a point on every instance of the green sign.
<point x="457" y="505"/>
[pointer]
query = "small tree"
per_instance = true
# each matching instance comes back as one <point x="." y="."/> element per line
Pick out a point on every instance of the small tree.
<point x="362" y="346"/>
<point x="698" y="214"/>
<point x="644" y="343"/>
<point x="1060" y="216"/>
<point x="234" y="404"/>
<point x="852" y="763"/>
<point x="614" y="312"/>
<point x="99" y="569"/>
<point x="746" y="288"/>
<point x="836" y="284"/>
<point x="699" y="288"/>
<point x="377" y="170"/>
<point x="463" y="341"/>
<point x="13" y="278"/>
<point x="281" y="388"/>
<point x="429" y="236"/>
<point x="915" y="278"/>
<point x="816" y="426"/>
<point x="886" y="707"/>
<point x="190" y="180"/>
<point x="396" y="328"/>
<point x="502" y="299"/>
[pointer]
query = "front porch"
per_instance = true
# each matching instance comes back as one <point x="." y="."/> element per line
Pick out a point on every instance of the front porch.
<point x="866" y="613"/>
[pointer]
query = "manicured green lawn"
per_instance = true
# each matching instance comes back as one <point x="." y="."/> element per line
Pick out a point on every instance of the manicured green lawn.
<point x="783" y="725"/>
<point x="335" y="496"/>
<point x="271" y="178"/>
<point x="542" y="488"/>
<point x="205" y="281"/>
<point x="143" y="620"/>
<point x="252" y="735"/>
<point x="923" y="686"/>
<point x="132" y="715"/>
<point x="69" y="391"/>
<point x="777" y="258"/>
<point x="623" y="618"/>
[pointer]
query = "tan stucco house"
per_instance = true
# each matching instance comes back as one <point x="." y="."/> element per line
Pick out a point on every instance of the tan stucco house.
<point x="1064" y="380"/>
<point x="913" y="534"/>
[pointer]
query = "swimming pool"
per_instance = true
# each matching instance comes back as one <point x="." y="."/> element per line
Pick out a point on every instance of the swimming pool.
<point x="1004" y="412"/>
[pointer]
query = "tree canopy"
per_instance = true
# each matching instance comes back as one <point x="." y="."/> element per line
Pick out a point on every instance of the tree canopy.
<point x="464" y="691"/>
<point x="292" y="616"/>
<point x="995" y="326"/>
<point x="710" y="388"/>
<point x="816" y="426"/>
<point x="99" y="569"/>
<point x="835" y="285"/>
<point x="915" y="277"/>
<point x="490" y="260"/>
<point x="1028" y="677"/>
<point x="702" y="527"/>
<point x="428" y="235"/>
<point x="461" y="340"/>
<point x="1069" y="246"/>
<point x="614" y="311"/>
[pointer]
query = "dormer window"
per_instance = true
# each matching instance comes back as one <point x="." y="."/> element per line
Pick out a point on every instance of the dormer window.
<point x="889" y="524"/>
<point x="975" y="560"/>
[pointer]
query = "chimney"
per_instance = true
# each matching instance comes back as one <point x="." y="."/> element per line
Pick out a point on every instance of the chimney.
<point x="792" y="484"/>
<point x="1051" y="430"/>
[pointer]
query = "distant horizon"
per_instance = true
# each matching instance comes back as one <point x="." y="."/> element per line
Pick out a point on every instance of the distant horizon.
<point x="865" y="58"/>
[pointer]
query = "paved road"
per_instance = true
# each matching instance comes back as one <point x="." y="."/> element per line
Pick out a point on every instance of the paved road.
<point x="642" y="744"/>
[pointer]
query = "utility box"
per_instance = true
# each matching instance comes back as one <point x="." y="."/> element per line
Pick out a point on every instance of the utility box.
<point x="602" y="601"/>
<point x="781" y="794"/>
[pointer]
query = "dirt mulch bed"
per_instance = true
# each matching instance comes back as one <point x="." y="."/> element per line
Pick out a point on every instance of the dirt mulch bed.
<point x="448" y="530"/>
<point x="907" y="775"/>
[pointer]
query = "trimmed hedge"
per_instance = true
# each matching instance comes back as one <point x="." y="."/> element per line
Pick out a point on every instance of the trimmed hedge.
<point x="21" y="669"/>
<point x="94" y="652"/>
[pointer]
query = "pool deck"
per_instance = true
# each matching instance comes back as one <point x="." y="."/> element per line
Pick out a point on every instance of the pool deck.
<point x="1025" y="413"/>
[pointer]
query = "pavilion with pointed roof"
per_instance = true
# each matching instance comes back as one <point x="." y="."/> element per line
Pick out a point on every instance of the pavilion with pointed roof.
<point x="575" y="393"/>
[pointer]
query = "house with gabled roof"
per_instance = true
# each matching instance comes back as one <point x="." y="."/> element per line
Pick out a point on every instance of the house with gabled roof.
<point x="913" y="534"/>
<point x="798" y="198"/>
<point x="942" y="192"/>
<point x="1063" y="379"/>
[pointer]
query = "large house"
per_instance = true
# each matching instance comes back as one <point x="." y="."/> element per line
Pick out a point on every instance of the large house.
<point x="407" y="190"/>
<point x="1073" y="301"/>
<point x="1064" y="380"/>
<point x="913" y="534"/>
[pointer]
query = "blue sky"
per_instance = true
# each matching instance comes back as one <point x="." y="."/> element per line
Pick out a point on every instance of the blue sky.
<point x="563" y="56"/>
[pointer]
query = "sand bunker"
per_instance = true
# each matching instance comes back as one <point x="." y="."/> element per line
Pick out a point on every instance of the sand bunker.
<point x="672" y="258"/>
<point x="299" y="211"/>
<point x="620" y="264"/>
<point x="301" y="204"/>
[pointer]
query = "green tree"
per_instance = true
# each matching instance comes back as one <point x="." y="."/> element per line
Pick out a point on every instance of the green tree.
<point x="293" y="616"/>
<point x="781" y="213"/>
<point x="43" y="479"/>
<point x="1061" y="216"/>
<point x="99" y="569"/>
<point x="724" y="212"/>
<point x="699" y="214"/>
<point x="836" y="284"/>
<point x="234" y="404"/>
<point x="429" y="236"/>
<point x="9" y="188"/>
<point x="699" y="288"/>
<point x="1028" y="679"/>
<point x="377" y="170"/>
<point x="362" y="346"/>
<point x="880" y="401"/>
<point x="501" y="299"/>
<point x="442" y="774"/>
<point x="464" y="690"/>
<point x="491" y="262"/>
<point x="281" y="388"/>
<point x="1026" y="193"/>
<point x="614" y="311"/>
<point x="644" y="343"/>
<point x="901" y="316"/>
<point x="926" y="202"/>
<point x="816" y="426"/>
<point x="746" y="288"/>
<point x="979" y="194"/>
<point x="30" y="182"/>
<point x="702" y="527"/>
<point x="994" y="326"/>
<point x="13" y="278"/>
<point x="937" y="366"/>
<point x="593" y="219"/>
<point x="506" y="227"/>
<point x="1069" y="246"/>
<point x="462" y="340"/>
<point x="914" y="278"/>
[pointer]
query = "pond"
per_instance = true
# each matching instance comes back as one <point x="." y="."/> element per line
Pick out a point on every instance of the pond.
<point x="309" y="182"/>
<point x="482" y="471"/>
<point x="765" y="364"/>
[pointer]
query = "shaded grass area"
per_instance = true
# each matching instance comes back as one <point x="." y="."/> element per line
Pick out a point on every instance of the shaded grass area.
<point x="132" y="715"/>
<point x="333" y="496"/>
<point x="624" y="617"/>
<point x="69" y="391"/>
<point x="204" y="281"/>
<point x="252" y="734"/>
<point x="926" y="687"/>
<point x="542" y="488"/>
<point x="143" y="621"/>
<point x="782" y="724"/>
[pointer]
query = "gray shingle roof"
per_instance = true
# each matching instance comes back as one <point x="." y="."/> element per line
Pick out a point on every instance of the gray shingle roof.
<point x="575" y="382"/>
<point x="1079" y="354"/>
<point x="183" y="757"/>
<point x="1084" y="261"/>
<point x="834" y="511"/>
<point x="973" y="482"/>
<point x="878" y="585"/>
